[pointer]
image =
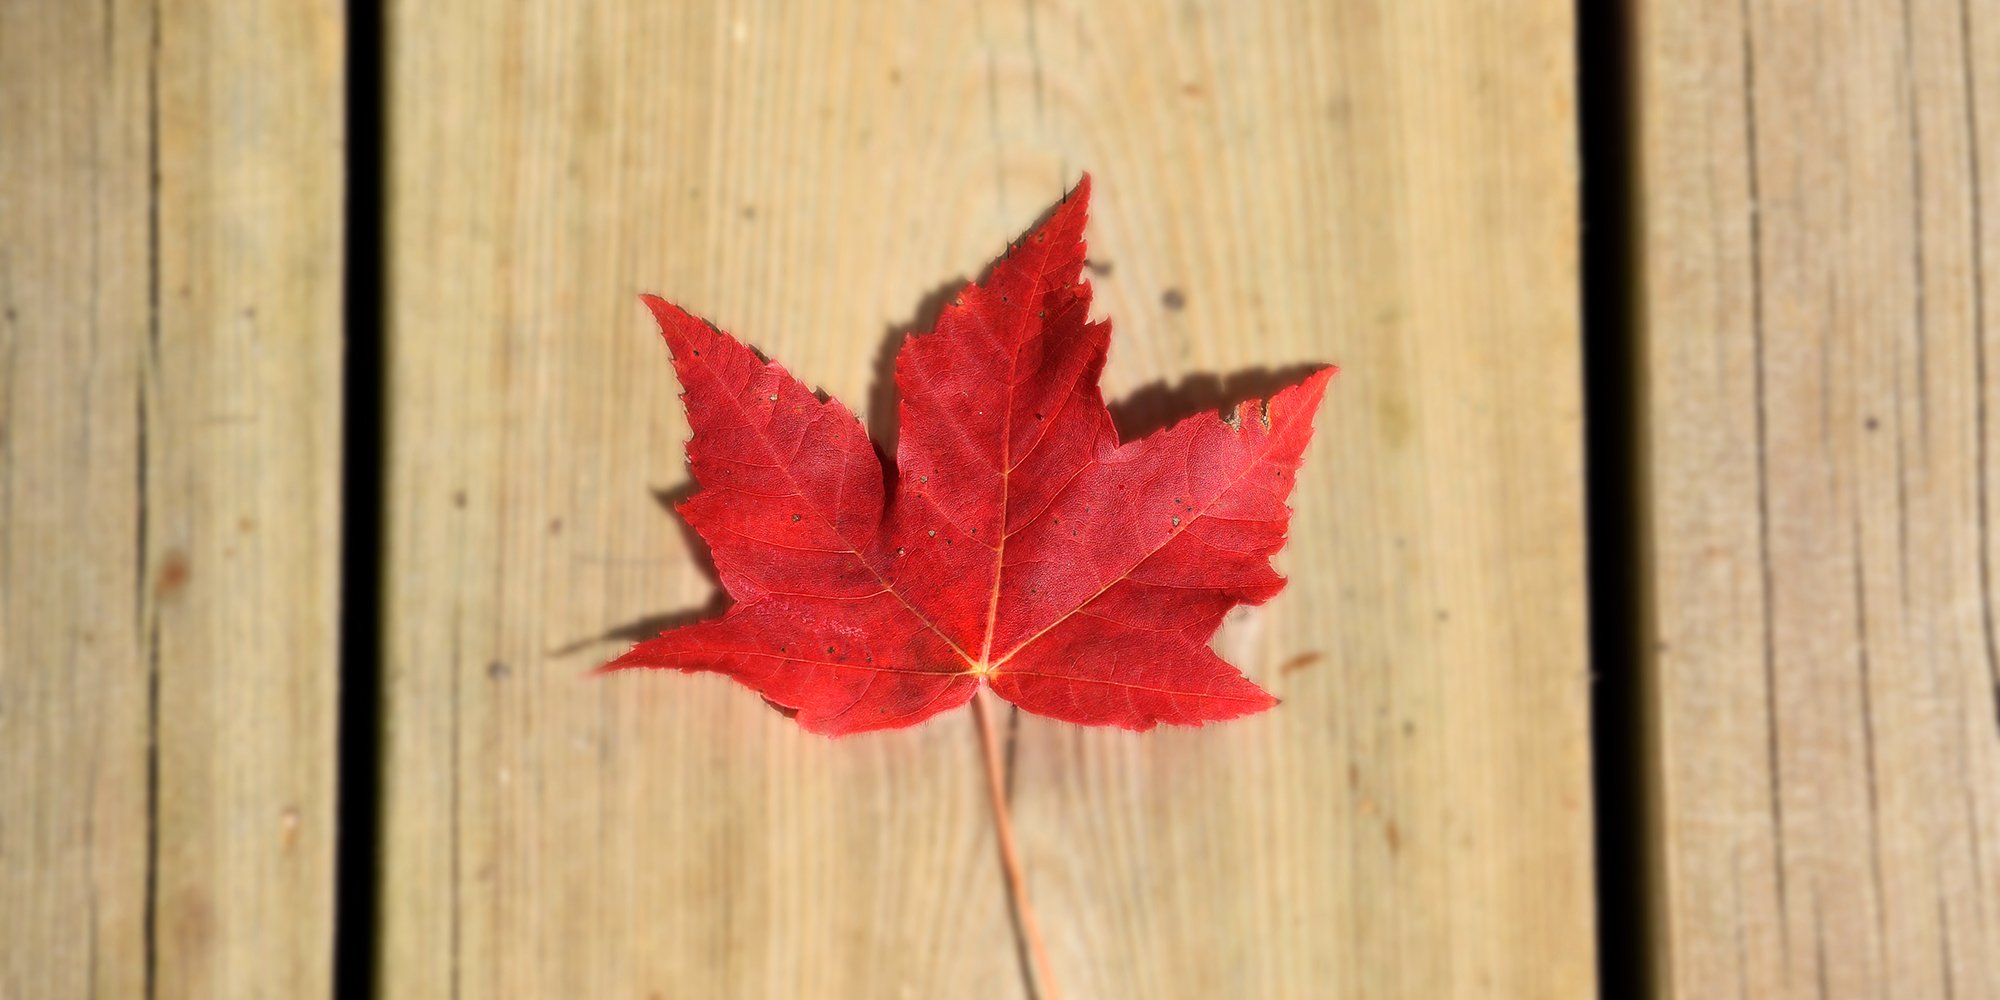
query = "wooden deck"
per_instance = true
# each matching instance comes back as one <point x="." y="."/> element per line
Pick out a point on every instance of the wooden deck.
<point x="332" y="435"/>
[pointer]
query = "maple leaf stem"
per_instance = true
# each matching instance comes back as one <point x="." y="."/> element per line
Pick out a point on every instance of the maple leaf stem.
<point x="1025" y="924"/>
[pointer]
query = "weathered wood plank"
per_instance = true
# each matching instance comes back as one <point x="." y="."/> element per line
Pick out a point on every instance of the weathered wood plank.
<point x="170" y="265"/>
<point x="74" y="319"/>
<point x="1390" y="186"/>
<point x="1818" y="321"/>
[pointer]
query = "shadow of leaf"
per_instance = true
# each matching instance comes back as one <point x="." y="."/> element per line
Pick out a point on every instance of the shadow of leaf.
<point x="1158" y="405"/>
<point x="884" y="415"/>
<point x="641" y="629"/>
<point x="704" y="557"/>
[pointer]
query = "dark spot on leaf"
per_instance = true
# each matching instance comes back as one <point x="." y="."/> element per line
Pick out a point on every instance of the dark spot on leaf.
<point x="1174" y="299"/>
<point x="795" y="517"/>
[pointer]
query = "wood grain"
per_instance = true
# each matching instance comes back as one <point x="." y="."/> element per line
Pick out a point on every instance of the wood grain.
<point x="74" y="320"/>
<point x="170" y="193"/>
<point x="1389" y="186"/>
<point x="1818" y="315"/>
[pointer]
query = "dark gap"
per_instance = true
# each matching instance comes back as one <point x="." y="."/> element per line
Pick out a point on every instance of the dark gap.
<point x="364" y="455"/>
<point x="1613" y="396"/>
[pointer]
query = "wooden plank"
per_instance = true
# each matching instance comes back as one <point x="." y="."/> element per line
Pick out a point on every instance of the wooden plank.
<point x="170" y="267"/>
<point x="73" y="667"/>
<point x="1390" y="186"/>
<point x="243" y="492"/>
<point x="1818" y="320"/>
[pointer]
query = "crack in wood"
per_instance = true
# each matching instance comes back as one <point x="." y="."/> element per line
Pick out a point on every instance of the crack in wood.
<point x="1773" y="757"/>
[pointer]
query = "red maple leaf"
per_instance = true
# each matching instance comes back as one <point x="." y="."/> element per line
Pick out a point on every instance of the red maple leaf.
<point x="1023" y="546"/>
